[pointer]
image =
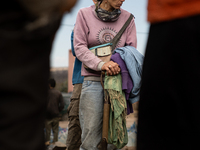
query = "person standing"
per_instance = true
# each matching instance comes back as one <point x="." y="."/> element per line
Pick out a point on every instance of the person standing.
<point x="55" y="105"/>
<point x="170" y="100"/>
<point x="97" y="25"/>
<point x="27" y="29"/>
<point x="74" y="129"/>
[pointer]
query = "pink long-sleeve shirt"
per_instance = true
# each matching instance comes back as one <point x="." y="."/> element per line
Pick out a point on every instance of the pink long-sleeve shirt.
<point x="90" y="31"/>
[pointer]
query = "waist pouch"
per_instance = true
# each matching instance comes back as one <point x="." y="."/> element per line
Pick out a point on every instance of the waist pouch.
<point x="103" y="51"/>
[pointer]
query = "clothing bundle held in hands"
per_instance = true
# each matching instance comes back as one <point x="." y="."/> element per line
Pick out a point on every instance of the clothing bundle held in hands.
<point x="134" y="61"/>
<point x="117" y="133"/>
<point x="127" y="83"/>
<point x="120" y="89"/>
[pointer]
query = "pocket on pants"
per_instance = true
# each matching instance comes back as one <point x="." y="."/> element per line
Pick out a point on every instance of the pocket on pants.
<point x="76" y="91"/>
<point x="73" y="109"/>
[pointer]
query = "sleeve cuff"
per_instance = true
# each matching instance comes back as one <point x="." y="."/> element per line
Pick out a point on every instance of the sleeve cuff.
<point x="100" y="65"/>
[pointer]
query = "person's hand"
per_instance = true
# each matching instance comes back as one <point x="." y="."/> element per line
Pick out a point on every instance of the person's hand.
<point x="111" y="68"/>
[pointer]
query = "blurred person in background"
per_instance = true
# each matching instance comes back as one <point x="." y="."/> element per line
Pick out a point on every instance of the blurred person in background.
<point x="27" y="29"/>
<point x="170" y="100"/>
<point x="55" y="105"/>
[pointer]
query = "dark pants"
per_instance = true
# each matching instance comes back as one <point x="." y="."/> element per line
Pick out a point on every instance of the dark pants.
<point x="169" y="107"/>
<point x="74" y="129"/>
<point x="23" y="86"/>
<point x="54" y="125"/>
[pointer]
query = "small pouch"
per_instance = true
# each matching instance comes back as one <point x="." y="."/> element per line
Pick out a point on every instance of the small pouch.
<point x="103" y="51"/>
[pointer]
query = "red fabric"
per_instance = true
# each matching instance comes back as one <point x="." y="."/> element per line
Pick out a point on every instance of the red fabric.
<point x="164" y="10"/>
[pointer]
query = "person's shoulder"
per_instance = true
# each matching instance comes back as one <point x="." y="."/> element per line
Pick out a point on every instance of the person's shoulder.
<point x="87" y="9"/>
<point x="123" y="11"/>
<point x="125" y="14"/>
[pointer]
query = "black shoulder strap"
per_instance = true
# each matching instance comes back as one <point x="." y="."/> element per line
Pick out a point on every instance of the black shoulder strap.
<point x="115" y="40"/>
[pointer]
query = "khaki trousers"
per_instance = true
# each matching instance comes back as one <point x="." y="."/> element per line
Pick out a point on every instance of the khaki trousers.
<point x="54" y="125"/>
<point x="74" y="130"/>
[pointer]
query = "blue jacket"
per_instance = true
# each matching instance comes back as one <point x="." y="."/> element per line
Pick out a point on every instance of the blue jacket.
<point x="133" y="60"/>
<point x="76" y="78"/>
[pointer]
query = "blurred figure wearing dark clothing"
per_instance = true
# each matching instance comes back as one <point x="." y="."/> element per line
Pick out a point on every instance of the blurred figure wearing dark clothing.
<point x="169" y="98"/>
<point x="55" y="105"/>
<point x="26" y="37"/>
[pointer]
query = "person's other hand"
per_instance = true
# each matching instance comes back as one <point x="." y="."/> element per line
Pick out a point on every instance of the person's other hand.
<point x="111" y="68"/>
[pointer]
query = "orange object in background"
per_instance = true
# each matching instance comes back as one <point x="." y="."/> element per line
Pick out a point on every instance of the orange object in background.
<point x="165" y="10"/>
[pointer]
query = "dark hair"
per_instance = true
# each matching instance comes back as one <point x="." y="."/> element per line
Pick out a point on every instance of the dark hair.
<point x="52" y="83"/>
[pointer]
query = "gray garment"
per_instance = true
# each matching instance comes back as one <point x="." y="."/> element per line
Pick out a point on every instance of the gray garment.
<point x="91" y="115"/>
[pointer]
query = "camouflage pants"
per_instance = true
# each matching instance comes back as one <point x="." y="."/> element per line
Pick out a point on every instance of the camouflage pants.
<point x="74" y="130"/>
